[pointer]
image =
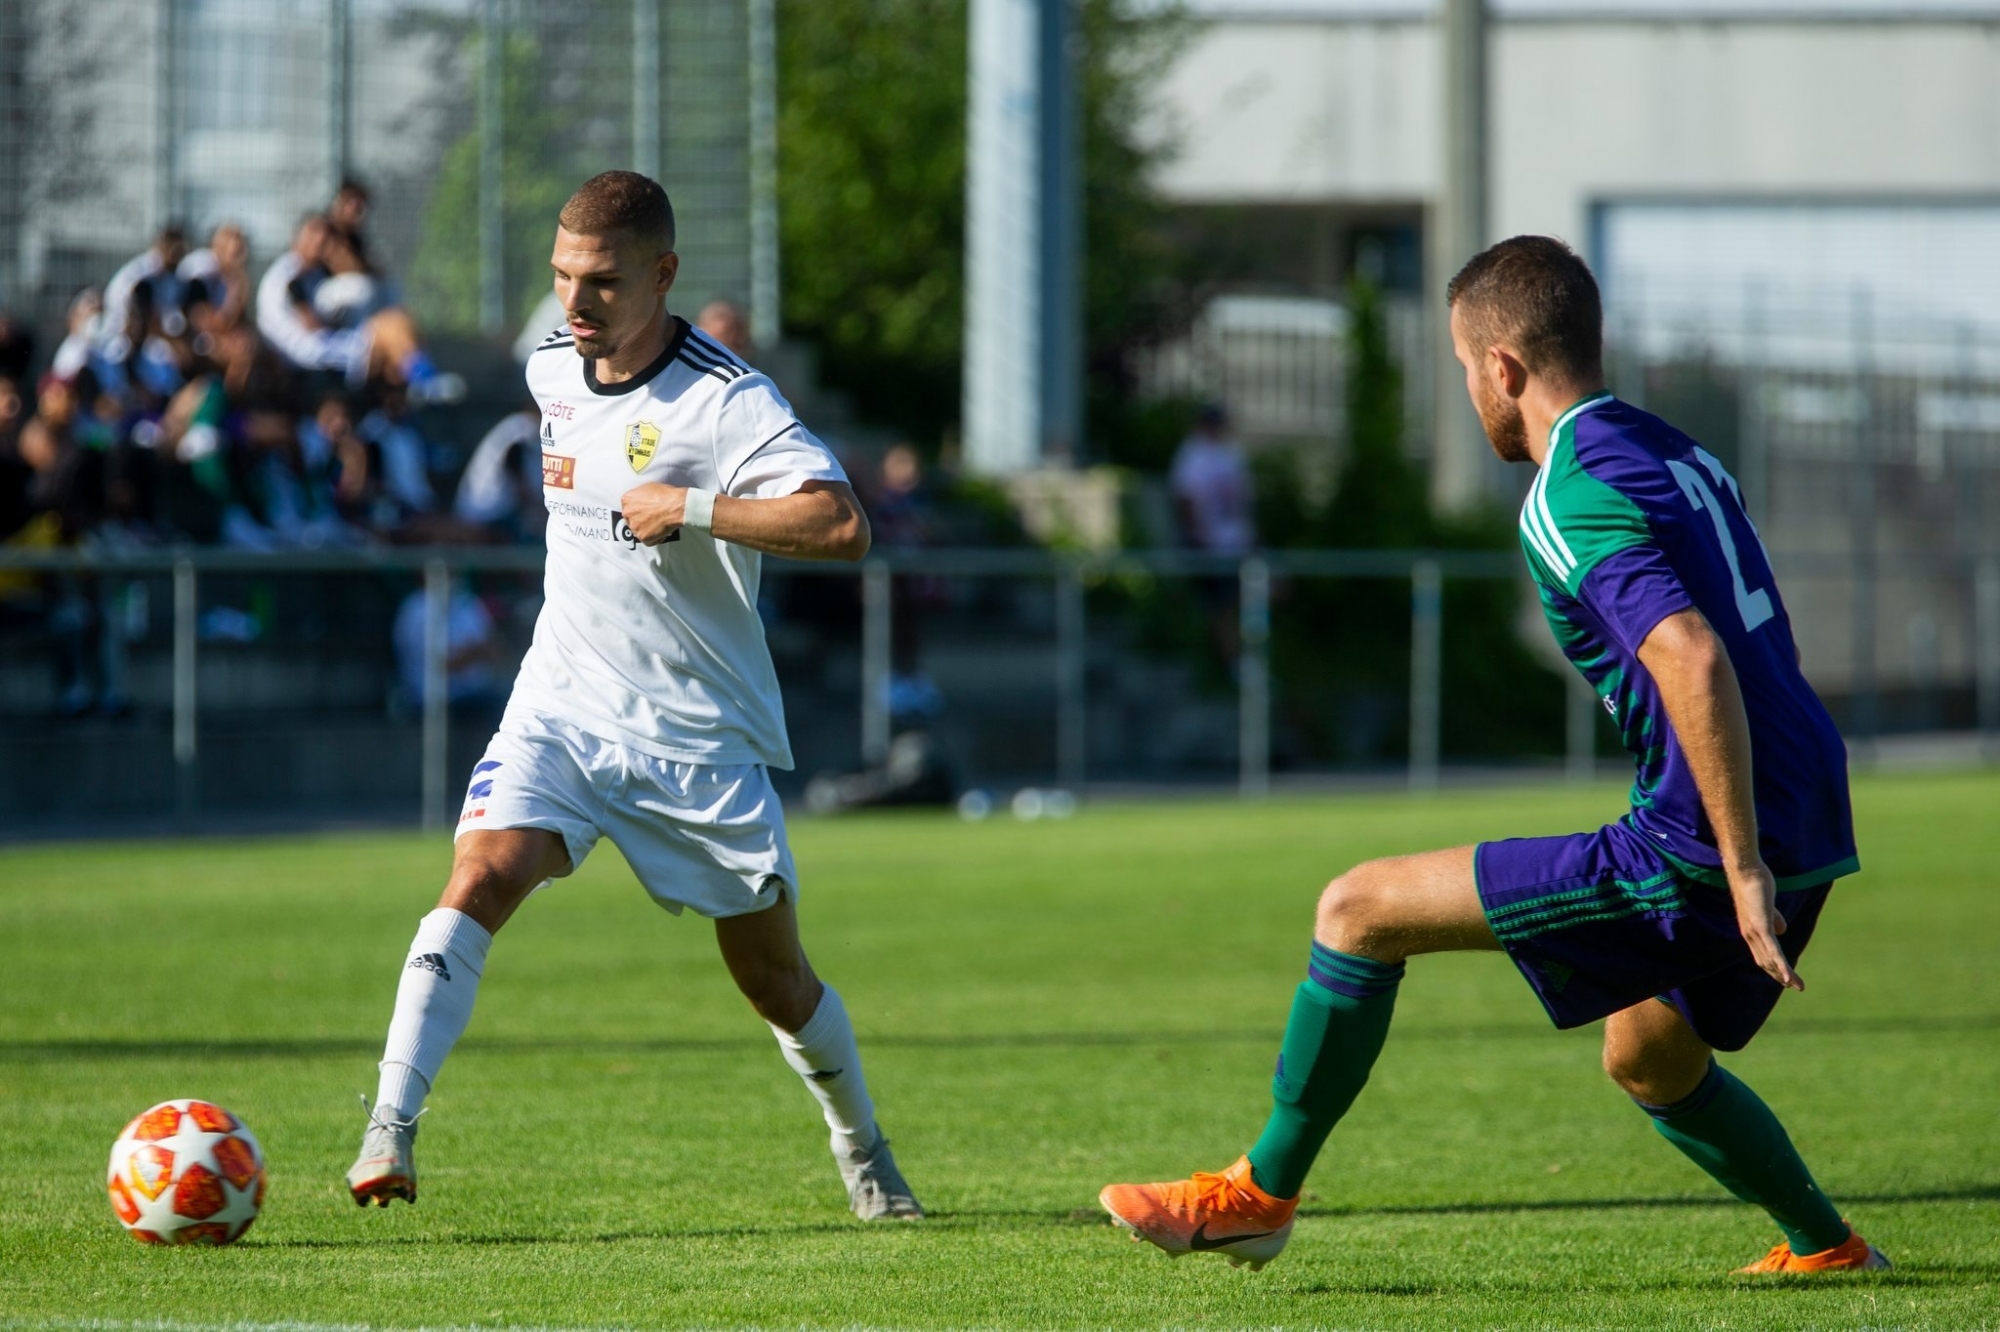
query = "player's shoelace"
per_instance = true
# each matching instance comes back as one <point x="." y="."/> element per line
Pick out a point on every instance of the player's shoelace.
<point x="381" y="1121"/>
<point x="1213" y="1192"/>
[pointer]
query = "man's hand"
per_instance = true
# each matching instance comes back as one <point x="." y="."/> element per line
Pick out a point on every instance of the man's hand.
<point x="654" y="511"/>
<point x="1755" y="893"/>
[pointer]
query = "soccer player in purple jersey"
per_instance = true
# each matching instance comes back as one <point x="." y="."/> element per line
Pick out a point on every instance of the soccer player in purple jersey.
<point x="1681" y="923"/>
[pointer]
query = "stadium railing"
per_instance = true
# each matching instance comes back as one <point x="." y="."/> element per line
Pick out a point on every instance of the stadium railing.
<point x="1425" y="571"/>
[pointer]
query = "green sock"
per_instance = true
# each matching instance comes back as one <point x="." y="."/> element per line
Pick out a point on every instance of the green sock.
<point x="1723" y="1127"/>
<point x="1340" y="1015"/>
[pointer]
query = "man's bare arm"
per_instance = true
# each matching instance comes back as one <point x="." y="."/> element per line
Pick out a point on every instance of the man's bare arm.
<point x="822" y="520"/>
<point x="1705" y="704"/>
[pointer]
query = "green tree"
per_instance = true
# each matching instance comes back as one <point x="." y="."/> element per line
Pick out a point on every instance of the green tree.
<point x="1342" y="646"/>
<point x="872" y="129"/>
<point x="556" y="131"/>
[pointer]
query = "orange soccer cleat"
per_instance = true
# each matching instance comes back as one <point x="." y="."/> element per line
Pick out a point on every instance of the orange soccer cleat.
<point x="1853" y="1254"/>
<point x="1226" y="1214"/>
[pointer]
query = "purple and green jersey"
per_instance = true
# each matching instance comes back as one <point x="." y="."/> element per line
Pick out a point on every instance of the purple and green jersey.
<point x="1628" y="522"/>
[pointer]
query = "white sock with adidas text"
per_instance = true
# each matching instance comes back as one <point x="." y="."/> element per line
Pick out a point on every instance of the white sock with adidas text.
<point x="433" y="1004"/>
<point x="824" y="1055"/>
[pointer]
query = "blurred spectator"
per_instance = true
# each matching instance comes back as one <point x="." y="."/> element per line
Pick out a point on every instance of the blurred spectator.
<point x="17" y="349"/>
<point x="283" y="501"/>
<point x="473" y="680"/>
<point x="347" y="248"/>
<point x="403" y="490"/>
<point x="77" y="349"/>
<point x="724" y="322"/>
<point x="223" y="266"/>
<point x="502" y="486"/>
<point x="153" y="273"/>
<point x="1212" y="499"/>
<point x="900" y="514"/>
<point x="383" y="345"/>
<point x="1212" y="489"/>
<point x="329" y="445"/>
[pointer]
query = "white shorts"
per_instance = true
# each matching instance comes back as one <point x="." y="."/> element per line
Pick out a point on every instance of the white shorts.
<point x="706" y="836"/>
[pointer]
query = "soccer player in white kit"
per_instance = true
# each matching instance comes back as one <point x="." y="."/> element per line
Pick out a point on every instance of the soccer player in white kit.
<point x="646" y="710"/>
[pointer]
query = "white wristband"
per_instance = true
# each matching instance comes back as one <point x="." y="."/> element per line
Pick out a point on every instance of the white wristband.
<point x="698" y="511"/>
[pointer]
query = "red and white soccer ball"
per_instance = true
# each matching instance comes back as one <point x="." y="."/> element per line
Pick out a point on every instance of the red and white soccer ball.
<point x="186" y="1172"/>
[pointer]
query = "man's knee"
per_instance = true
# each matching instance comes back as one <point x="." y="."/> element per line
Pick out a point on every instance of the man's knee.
<point x="1655" y="1073"/>
<point x="1350" y="914"/>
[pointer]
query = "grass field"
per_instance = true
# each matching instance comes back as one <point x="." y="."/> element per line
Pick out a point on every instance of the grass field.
<point x="1044" y="1008"/>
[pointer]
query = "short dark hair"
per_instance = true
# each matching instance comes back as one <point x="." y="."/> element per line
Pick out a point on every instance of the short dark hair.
<point x="1536" y="293"/>
<point x="623" y="201"/>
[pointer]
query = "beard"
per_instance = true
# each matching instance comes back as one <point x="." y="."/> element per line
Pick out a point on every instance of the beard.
<point x="1506" y="429"/>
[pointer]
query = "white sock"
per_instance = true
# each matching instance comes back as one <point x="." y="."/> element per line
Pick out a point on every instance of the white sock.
<point x="824" y="1054"/>
<point x="433" y="1004"/>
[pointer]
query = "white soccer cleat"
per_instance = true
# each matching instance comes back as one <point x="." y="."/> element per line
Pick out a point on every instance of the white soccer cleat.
<point x="387" y="1166"/>
<point x="876" y="1190"/>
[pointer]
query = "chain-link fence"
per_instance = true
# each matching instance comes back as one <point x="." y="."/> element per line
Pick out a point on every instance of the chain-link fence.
<point x="470" y="121"/>
<point x="1868" y="446"/>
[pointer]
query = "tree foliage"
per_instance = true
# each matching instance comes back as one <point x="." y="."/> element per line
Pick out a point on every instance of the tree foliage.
<point x="872" y="163"/>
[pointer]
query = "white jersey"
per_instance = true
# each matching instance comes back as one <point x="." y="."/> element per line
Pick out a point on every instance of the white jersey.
<point x="659" y="647"/>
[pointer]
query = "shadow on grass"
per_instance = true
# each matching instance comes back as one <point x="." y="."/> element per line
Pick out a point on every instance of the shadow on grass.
<point x="1966" y="1193"/>
<point x="331" y="1047"/>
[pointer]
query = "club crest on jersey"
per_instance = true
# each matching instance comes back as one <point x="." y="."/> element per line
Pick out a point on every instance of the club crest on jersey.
<point x="642" y="438"/>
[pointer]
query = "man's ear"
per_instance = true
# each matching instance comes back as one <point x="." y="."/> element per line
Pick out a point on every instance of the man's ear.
<point x="669" y="269"/>
<point x="1507" y="371"/>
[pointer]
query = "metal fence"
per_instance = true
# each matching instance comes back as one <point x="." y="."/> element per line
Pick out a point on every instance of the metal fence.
<point x="186" y="690"/>
<point x="470" y="120"/>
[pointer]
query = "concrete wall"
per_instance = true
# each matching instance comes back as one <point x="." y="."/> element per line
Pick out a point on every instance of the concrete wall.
<point x="1345" y="111"/>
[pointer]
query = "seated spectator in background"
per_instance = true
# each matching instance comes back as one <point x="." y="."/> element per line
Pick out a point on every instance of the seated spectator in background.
<point x="223" y="266"/>
<point x="329" y="445"/>
<point x="281" y="502"/>
<point x="473" y="678"/>
<point x="900" y="512"/>
<point x="156" y="271"/>
<point x="74" y="354"/>
<point x="724" y="322"/>
<point x="347" y="248"/>
<point x="501" y="489"/>
<point x="17" y="349"/>
<point x="400" y="454"/>
<point x="15" y="475"/>
<point x="384" y="346"/>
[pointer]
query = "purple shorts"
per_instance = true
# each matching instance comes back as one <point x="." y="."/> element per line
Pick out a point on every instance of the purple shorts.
<point x="1599" y="921"/>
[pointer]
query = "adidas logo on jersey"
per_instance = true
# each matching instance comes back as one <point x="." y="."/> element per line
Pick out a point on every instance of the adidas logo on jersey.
<point x="430" y="962"/>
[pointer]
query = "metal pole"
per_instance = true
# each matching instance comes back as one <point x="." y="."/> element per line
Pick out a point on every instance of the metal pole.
<point x="1580" y="730"/>
<point x="1253" y="670"/>
<point x="492" y="232"/>
<point x="1861" y="512"/>
<point x="646" y="87"/>
<point x="1426" y="671"/>
<point x="339" y="77"/>
<point x="166" y="201"/>
<point x="1755" y="446"/>
<point x="1456" y="230"/>
<point x="1986" y="595"/>
<point x="875" y="663"/>
<point x="437" y="690"/>
<point x="186" y="789"/>
<point x="766" y="311"/>
<point x="1072" y="718"/>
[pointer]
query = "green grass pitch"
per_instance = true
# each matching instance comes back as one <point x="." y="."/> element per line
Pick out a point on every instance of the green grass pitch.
<point x="1044" y="1008"/>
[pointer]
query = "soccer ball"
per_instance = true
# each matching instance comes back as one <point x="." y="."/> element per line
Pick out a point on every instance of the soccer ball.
<point x="186" y="1172"/>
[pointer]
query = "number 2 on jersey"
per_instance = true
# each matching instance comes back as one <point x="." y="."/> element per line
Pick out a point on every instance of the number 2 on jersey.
<point x="1753" y="606"/>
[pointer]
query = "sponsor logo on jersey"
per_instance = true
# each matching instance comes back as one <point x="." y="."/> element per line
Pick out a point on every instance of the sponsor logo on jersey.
<point x="558" y="472"/>
<point x="597" y="523"/>
<point x="642" y="439"/>
<point x="548" y="435"/>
